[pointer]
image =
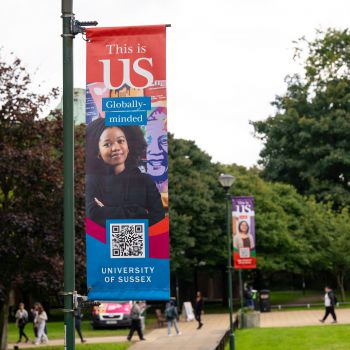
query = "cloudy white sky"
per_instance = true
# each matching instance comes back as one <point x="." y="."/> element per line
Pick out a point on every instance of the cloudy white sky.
<point x="226" y="59"/>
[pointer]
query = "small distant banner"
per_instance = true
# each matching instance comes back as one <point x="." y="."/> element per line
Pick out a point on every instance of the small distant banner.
<point x="243" y="228"/>
<point x="127" y="222"/>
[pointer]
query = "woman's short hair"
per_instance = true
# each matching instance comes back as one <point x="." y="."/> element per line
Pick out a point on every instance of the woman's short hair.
<point x="134" y="137"/>
<point x="240" y="224"/>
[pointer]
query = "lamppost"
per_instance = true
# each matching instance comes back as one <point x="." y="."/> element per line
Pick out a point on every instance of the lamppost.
<point x="226" y="182"/>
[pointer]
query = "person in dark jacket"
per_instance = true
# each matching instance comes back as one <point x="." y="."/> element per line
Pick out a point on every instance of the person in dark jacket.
<point x="198" y="309"/>
<point x="33" y="314"/>
<point x="77" y="318"/>
<point x="21" y="321"/>
<point x="249" y="297"/>
<point x="115" y="187"/>
<point x="171" y="314"/>
<point x="330" y="301"/>
<point x="135" y="315"/>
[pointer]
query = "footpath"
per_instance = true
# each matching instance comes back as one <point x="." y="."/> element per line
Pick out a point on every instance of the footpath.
<point x="206" y="338"/>
<point x="209" y="336"/>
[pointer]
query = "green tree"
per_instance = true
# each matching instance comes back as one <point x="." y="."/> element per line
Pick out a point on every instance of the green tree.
<point x="79" y="198"/>
<point x="30" y="190"/>
<point x="307" y="141"/>
<point x="196" y="207"/>
<point x="339" y="247"/>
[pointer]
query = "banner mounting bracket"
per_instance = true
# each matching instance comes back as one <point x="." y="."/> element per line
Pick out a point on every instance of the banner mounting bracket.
<point x="78" y="27"/>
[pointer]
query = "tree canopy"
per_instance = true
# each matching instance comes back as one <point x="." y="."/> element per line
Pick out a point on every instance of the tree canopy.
<point x="307" y="141"/>
<point x="196" y="207"/>
<point x="30" y="189"/>
<point x="30" y="181"/>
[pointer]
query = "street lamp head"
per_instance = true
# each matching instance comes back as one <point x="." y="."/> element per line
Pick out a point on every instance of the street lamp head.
<point x="226" y="180"/>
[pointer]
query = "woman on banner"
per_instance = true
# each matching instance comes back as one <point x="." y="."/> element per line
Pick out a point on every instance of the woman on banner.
<point x="115" y="187"/>
<point x="243" y="239"/>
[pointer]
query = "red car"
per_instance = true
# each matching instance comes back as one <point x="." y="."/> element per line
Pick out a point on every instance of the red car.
<point x="112" y="314"/>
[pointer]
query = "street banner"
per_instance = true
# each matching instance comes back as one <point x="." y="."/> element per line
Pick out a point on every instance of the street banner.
<point x="243" y="228"/>
<point x="127" y="223"/>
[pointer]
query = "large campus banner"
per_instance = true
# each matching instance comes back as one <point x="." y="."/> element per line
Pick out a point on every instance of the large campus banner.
<point x="243" y="228"/>
<point x="127" y="224"/>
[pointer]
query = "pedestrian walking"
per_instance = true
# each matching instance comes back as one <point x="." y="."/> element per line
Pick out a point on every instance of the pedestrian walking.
<point x="33" y="314"/>
<point x="77" y="317"/>
<point x="40" y="320"/>
<point x="249" y="296"/>
<point x="330" y="300"/>
<point x="255" y="296"/>
<point x="198" y="309"/>
<point x="135" y="315"/>
<point x="170" y="314"/>
<point x="21" y="321"/>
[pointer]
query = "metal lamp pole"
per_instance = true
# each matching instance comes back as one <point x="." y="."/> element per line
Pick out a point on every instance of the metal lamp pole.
<point x="70" y="27"/>
<point x="226" y="182"/>
<point x="68" y="131"/>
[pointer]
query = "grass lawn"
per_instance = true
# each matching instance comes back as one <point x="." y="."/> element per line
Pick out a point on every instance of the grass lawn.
<point x="293" y="296"/>
<point x="330" y="337"/>
<point x="56" y="331"/>
<point x="297" y="296"/>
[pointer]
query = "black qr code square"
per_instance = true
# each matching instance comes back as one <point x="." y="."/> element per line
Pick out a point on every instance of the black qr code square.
<point x="127" y="240"/>
<point x="115" y="228"/>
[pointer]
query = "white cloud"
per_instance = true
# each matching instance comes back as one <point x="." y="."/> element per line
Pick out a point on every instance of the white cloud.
<point x="226" y="59"/>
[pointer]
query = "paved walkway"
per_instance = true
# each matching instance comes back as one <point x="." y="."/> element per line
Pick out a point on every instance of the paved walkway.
<point x="207" y="338"/>
<point x="213" y="330"/>
<point x="301" y="318"/>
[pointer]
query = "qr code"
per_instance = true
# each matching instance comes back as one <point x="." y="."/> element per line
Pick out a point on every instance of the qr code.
<point x="127" y="240"/>
<point x="244" y="252"/>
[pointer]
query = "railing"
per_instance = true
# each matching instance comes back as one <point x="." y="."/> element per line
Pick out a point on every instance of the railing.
<point x="221" y="344"/>
<point x="224" y="339"/>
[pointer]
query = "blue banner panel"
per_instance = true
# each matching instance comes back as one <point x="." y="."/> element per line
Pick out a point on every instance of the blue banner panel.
<point x="124" y="104"/>
<point x="121" y="268"/>
<point x="126" y="118"/>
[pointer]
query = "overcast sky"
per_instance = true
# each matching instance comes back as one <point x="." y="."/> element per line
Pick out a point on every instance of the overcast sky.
<point x="226" y="59"/>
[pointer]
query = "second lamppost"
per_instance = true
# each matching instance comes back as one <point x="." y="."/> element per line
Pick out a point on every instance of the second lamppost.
<point x="226" y="182"/>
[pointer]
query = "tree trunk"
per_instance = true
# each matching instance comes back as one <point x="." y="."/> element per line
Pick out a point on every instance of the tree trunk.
<point x="4" y="317"/>
<point x="340" y="282"/>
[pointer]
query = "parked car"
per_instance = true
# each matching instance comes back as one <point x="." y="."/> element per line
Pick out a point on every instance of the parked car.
<point x="112" y="314"/>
